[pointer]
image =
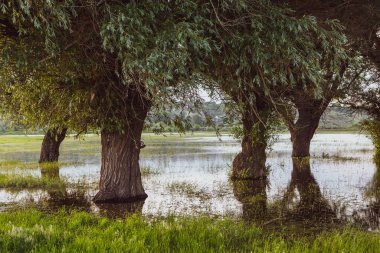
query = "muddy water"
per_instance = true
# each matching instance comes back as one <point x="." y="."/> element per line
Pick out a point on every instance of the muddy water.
<point x="190" y="176"/>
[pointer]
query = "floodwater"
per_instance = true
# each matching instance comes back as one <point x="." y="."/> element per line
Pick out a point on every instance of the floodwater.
<point x="189" y="176"/>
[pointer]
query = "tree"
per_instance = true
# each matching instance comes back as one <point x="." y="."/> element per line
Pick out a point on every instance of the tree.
<point x="118" y="60"/>
<point x="51" y="143"/>
<point x="302" y="200"/>
<point x="302" y="105"/>
<point x="31" y="90"/>
<point x="26" y="106"/>
<point x="115" y="61"/>
<point x="251" y="63"/>
<point x="360" y="18"/>
<point x="362" y="27"/>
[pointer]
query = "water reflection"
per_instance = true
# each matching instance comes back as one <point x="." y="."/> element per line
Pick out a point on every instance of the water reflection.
<point x="118" y="210"/>
<point x="252" y="194"/>
<point x="62" y="197"/>
<point x="303" y="198"/>
<point x="343" y="185"/>
<point x="79" y="199"/>
<point x="301" y="203"/>
<point x="369" y="217"/>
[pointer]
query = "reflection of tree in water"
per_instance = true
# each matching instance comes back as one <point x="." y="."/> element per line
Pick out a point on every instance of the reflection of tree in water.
<point x="77" y="199"/>
<point x="370" y="216"/>
<point x="252" y="194"/>
<point x="120" y="210"/>
<point x="62" y="197"/>
<point x="303" y="198"/>
<point x="302" y="201"/>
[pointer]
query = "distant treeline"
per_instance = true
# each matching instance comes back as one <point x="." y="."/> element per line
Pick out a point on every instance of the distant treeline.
<point x="335" y="118"/>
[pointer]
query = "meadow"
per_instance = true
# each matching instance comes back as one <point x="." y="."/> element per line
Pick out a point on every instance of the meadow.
<point x="192" y="205"/>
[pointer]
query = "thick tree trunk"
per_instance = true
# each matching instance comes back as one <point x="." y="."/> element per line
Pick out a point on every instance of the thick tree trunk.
<point x="250" y="162"/>
<point x="303" y="131"/>
<point x="120" y="177"/>
<point x="50" y="145"/>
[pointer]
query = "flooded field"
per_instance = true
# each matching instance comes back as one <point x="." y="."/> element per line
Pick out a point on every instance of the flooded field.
<point x="189" y="175"/>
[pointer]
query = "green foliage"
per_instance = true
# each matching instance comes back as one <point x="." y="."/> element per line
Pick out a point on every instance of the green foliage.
<point x="265" y="131"/>
<point x="249" y="58"/>
<point x="372" y="127"/>
<point x="30" y="230"/>
<point x="67" y="73"/>
<point x="186" y="117"/>
<point x="83" y="77"/>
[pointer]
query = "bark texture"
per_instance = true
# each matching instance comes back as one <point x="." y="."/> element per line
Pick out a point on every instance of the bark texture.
<point x="303" y="130"/>
<point x="250" y="162"/>
<point x="120" y="177"/>
<point x="50" y="145"/>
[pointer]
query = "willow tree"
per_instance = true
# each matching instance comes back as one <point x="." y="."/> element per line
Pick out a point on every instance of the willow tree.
<point x="127" y="58"/>
<point x="362" y="28"/>
<point x="360" y="18"/>
<point x="302" y="105"/>
<point x="30" y="87"/>
<point x="25" y="100"/>
<point x="250" y="63"/>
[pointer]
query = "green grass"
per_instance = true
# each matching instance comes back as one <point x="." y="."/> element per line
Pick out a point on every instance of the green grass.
<point x="88" y="144"/>
<point x="32" y="143"/>
<point x="17" y="181"/>
<point x="13" y="164"/>
<point x="33" y="231"/>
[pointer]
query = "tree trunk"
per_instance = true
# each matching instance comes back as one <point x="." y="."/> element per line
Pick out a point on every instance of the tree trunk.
<point x="303" y="131"/>
<point x="50" y="145"/>
<point x="120" y="177"/>
<point x="250" y="162"/>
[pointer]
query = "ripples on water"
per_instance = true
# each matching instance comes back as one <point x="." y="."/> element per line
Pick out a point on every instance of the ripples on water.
<point x="339" y="183"/>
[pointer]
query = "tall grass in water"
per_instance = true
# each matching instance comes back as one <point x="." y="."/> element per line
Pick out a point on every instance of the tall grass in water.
<point x="15" y="181"/>
<point x="13" y="164"/>
<point x="33" y="231"/>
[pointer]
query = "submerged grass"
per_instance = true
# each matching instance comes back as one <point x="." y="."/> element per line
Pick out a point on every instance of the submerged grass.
<point x="17" y="181"/>
<point x="338" y="157"/>
<point x="33" y="231"/>
<point x="148" y="171"/>
<point x="14" y="164"/>
<point x="188" y="189"/>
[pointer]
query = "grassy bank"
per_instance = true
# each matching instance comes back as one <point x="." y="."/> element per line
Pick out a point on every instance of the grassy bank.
<point x="33" y="231"/>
